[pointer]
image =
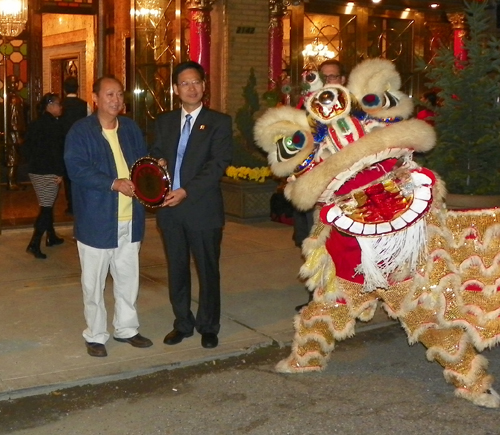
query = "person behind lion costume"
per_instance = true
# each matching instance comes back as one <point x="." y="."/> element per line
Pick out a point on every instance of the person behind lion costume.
<point x="383" y="234"/>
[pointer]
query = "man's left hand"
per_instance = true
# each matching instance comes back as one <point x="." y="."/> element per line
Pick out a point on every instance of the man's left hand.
<point x="175" y="197"/>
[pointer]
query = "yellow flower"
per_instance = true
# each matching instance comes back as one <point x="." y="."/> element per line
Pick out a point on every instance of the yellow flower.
<point x="252" y="174"/>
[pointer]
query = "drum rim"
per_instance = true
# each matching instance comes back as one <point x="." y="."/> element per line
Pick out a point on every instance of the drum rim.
<point x="162" y="172"/>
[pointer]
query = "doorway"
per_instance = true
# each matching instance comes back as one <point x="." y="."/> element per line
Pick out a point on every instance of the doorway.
<point x="60" y="70"/>
<point x="68" y="49"/>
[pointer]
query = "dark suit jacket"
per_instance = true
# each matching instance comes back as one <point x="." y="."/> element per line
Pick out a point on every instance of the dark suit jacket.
<point x="208" y="153"/>
<point x="74" y="108"/>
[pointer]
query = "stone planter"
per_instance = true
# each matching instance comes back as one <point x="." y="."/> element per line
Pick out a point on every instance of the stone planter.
<point x="247" y="201"/>
<point x="469" y="202"/>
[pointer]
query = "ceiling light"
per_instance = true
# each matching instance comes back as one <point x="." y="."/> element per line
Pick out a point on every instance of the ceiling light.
<point x="13" y="17"/>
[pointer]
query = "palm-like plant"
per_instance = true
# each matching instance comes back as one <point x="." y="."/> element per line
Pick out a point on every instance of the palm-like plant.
<point x="467" y="154"/>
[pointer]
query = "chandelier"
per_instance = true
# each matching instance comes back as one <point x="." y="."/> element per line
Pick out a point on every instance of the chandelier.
<point x="316" y="51"/>
<point x="147" y="13"/>
<point x="13" y="17"/>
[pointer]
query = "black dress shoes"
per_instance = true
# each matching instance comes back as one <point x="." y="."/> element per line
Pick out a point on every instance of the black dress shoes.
<point x="137" y="341"/>
<point x="175" y="337"/>
<point x="299" y="307"/>
<point x="209" y="341"/>
<point x="96" y="349"/>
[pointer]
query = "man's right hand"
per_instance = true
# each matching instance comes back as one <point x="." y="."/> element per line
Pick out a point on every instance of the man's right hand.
<point x="124" y="186"/>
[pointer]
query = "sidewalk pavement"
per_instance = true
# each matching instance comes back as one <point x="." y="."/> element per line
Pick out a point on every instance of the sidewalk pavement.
<point x="41" y="313"/>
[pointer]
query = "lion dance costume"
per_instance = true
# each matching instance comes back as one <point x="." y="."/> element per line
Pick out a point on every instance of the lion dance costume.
<point x="382" y="231"/>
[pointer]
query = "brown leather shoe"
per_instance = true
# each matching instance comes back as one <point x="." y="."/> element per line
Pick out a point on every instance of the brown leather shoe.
<point x="175" y="337"/>
<point x="137" y="341"/>
<point x="96" y="349"/>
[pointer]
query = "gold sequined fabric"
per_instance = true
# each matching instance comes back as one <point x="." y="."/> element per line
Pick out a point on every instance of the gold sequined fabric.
<point x="452" y="305"/>
<point x="465" y="270"/>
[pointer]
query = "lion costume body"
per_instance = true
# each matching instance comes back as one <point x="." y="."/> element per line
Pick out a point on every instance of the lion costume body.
<point x="382" y="232"/>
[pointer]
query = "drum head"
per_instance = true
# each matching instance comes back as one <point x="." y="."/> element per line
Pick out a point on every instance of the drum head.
<point x="151" y="181"/>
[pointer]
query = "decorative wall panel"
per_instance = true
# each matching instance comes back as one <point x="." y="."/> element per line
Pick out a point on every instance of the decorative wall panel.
<point x="69" y="6"/>
<point x="157" y="34"/>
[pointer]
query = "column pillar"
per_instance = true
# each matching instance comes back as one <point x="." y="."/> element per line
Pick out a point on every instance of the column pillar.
<point x="277" y="9"/>
<point x="458" y="25"/>
<point x="296" y="46"/>
<point x="122" y="32"/>
<point x="199" y="31"/>
<point x="199" y="37"/>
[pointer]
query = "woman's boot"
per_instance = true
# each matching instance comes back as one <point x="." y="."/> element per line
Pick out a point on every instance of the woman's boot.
<point x="34" y="245"/>
<point x="52" y="238"/>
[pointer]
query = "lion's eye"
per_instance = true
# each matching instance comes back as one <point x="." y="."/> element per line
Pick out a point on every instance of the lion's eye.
<point x="326" y="97"/>
<point x="390" y="100"/>
<point x="287" y="141"/>
<point x="286" y="149"/>
<point x="310" y="77"/>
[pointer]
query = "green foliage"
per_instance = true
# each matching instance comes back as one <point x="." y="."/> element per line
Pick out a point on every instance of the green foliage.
<point x="468" y="120"/>
<point x="246" y="152"/>
<point x="271" y="98"/>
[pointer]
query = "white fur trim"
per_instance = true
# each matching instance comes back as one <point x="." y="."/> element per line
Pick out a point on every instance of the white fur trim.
<point x="382" y="256"/>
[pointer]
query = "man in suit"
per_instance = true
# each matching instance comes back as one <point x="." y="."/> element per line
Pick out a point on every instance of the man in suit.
<point x="192" y="216"/>
<point x="74" y="108"/>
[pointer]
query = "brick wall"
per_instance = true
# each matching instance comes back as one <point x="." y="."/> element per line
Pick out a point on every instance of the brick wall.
<point x="245" y="50"/>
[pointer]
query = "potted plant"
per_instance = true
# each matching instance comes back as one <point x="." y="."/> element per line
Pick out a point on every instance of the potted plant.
<point x="467" y="120"/>
<point x="247" y="193"/>
<point x="259" y="175"/>
<point x="246" y="153"/>
<point x="248" y="184"/>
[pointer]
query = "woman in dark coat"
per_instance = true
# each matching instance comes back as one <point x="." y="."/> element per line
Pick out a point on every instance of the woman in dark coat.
<point x="44" y="149"/>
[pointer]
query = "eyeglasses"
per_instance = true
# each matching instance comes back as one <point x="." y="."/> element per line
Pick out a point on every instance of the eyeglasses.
<point x="332" y="77"/>
<point x="194" y="83"/>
